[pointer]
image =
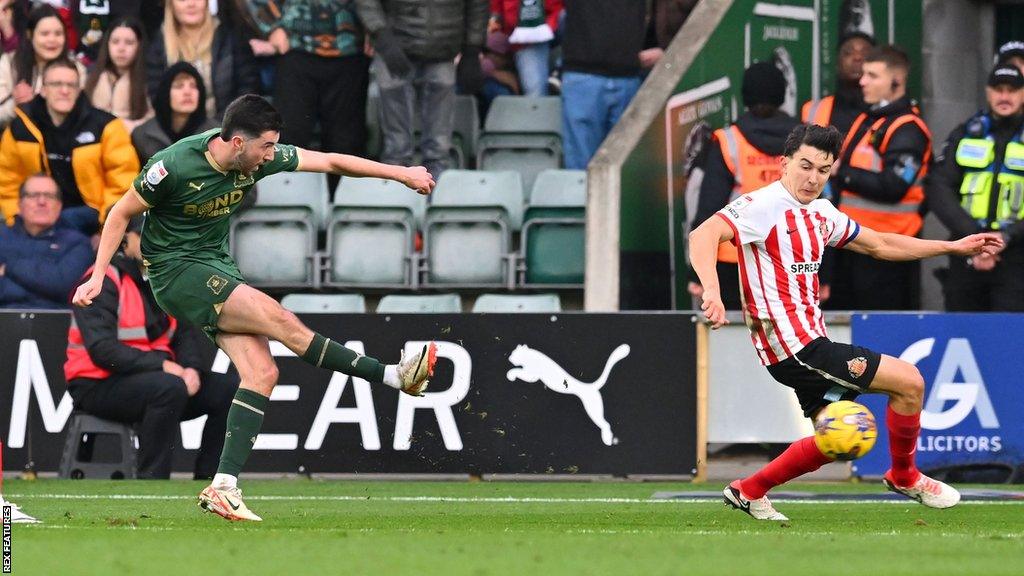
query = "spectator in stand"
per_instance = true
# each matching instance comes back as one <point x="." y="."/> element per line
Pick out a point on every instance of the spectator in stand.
<point x="63" y="8"/>
<point x="240" y="15"/>
<point x="604" y="53"/>
<point x="322" y="73"/>
<point x="21" y="72"/>
<point x="499" y="72"/>
<point x="192" y="34"/>
<point x="178" y="113"/>
<point x="8" y="26"/>
<point x="129" y="361"/>
<point x="415" y="45"/>
<point x="667" y="17"/>
<point x="530" y="26"/>
<point x="117" y="83"/>
<point x="93" y="20"/>
<point x="87" y="151"/>
<point x="40" y="262"/>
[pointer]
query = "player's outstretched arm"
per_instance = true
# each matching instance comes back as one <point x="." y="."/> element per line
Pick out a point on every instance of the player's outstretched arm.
<point x="704" y="242"/>
<point x="129" y="206"/>
<point x="415" y="177"/>
<point x="897" y="247"/>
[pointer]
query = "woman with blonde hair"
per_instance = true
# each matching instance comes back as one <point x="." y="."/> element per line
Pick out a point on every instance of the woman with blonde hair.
<point x="117" y="83"/>
<point x="21" y="72"/>
<point x="190" y="33"/>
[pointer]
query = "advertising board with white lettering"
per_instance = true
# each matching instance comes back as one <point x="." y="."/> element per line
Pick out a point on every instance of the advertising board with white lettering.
<point x="512" y="393"/>
<point x="972" y="369"/>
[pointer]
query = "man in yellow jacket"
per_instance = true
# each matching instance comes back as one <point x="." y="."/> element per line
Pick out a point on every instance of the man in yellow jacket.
<point x="87" y="151"/>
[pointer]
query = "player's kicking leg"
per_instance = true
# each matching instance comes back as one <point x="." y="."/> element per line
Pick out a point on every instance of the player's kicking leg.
<point x="247" y="320"/>
<point x="903" y="383"/>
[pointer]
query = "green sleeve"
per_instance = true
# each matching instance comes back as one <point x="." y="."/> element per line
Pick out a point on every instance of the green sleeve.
<point x="286" y="159"/>
<point x="155" y="181"/>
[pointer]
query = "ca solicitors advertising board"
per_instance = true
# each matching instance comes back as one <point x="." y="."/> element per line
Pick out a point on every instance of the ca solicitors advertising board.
<point x="973" y="367"/>
<point x="512" y="393"/>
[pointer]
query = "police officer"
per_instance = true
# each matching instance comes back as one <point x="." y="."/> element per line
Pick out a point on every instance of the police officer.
<point x="742" y="158"/>
<point x="978" y="185"/>
<point x="879" y="175"/>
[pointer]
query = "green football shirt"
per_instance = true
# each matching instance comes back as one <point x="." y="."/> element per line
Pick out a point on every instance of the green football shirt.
<point x="191" y="201"/>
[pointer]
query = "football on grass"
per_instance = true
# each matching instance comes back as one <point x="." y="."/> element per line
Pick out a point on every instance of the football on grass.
<point x="845" y="430"/>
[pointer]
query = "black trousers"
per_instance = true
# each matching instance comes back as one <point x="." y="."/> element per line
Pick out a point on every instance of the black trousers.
<point x="156" y="402"/>
<point x="859" y="282"/>
<point x="331" y="91"/>
<point x="998" y="290"/>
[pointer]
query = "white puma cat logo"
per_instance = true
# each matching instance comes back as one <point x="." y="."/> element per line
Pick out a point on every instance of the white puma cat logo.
<point x="531" y="365"/>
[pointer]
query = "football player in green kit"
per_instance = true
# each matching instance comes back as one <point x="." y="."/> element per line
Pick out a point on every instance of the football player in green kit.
<point x="189" y="190"/>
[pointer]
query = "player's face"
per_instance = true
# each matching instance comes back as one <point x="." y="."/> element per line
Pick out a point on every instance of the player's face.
<point x="1004" y="100"/>
<point x="851" y="58"/>
<point x="48" y="38"/>
<point x="878" y="82"/>
<point x="190" y="12"/>
<point x="184" y="94"/>
<point x="61" y="89"/>
<point x="254" y="152"/>
<point x="805" y="173"/>
<point x="123" y="47"/>
<point x="40" y="204"/>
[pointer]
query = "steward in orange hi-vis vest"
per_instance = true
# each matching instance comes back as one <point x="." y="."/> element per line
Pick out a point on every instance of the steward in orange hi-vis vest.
<point x="882" y="166"/>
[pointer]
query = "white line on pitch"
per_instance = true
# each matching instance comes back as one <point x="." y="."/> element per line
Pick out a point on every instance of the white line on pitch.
<point x="475" y="500"/>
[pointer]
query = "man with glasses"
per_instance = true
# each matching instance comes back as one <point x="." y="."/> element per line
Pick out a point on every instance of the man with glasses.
<point x="40" y="261"/>
<point x="88" y="152"/>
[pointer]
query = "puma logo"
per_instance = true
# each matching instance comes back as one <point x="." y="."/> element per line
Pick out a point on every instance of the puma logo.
<point x="197" y="187"/>
<point x="532" y="365"/>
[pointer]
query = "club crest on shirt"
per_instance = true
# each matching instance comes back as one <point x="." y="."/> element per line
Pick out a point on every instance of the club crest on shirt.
<point x="216" y="284"/>
<point x="857" y="366"/>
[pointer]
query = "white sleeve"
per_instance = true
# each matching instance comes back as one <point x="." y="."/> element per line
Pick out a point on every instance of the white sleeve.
<point x="843" y="229"/>
<point x="750" y="217"/>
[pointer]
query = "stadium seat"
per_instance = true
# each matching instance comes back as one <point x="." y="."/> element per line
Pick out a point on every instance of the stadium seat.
<point x="525" y="114"/>
<point x="276" y="248"/>
<point x="467" y="235"/>
<point x="518" y="303"/>
<point x="307" y="189"/>
<point x="325" y="303"/>
<point x="466" y="131"/>
<point x="554" y="231"/>
<point x="371" y="234"/>
<point x="419" y="303"/>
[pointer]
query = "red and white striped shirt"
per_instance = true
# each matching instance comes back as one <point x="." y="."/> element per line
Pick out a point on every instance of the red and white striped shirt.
<point x="780" y="242"/>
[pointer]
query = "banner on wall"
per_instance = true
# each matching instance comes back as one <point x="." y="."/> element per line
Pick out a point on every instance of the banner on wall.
<point x="512" y="393"/>
<point x="971" y="365"/>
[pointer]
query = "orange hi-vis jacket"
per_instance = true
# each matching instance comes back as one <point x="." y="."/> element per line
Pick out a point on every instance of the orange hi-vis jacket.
<point x="903" y="217"/>
<point x="131" y="330"/>
<point x="751" y="170"/>
<point x="818" y="111"/>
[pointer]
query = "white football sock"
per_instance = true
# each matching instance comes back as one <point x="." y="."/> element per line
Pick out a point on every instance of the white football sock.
<point x="224" y="481"/>
<point x="391" y="376"/>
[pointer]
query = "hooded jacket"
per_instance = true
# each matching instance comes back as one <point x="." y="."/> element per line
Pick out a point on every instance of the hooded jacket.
<point x="156" y="133"/>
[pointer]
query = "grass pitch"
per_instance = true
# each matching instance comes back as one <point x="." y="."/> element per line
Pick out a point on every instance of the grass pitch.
<point x="450" y="528"/>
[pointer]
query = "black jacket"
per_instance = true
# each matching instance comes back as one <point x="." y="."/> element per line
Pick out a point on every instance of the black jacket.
<point x="766" y="134"/>
<point x="907" y="148"/>
<point x="429" y="31"/>
<point x="849" y="103"/>
<point x="234" y="67"/>
<point x="942" y="187"/>
<point x="98" y="324"/>
<point x="604" y="37"/>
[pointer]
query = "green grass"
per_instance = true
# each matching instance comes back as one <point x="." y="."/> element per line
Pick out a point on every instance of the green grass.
<point x="333" y="527"/>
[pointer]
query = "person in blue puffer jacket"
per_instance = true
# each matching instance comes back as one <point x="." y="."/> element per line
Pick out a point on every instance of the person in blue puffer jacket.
<point x="40" y="263"/>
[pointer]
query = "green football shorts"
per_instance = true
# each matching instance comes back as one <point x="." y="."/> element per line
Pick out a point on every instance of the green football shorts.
<point x="195" y="291"/>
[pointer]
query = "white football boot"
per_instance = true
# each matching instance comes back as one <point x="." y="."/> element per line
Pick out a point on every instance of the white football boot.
<point x="17" y="516"/>
<point x="415" y="370"/>
<point x="927" y="491"/>
<point x="759" y="509"/>
<point x="226" y="503"/>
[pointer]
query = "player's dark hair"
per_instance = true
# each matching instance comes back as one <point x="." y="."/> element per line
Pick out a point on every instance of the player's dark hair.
<point x="250" y="115"/>
<point x="827" y="139"/>
<point x="891" y="55"/>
